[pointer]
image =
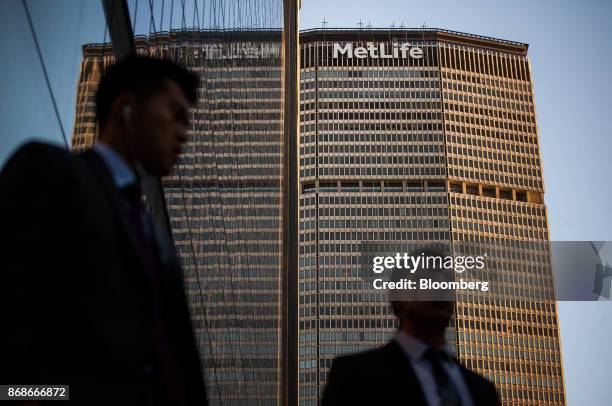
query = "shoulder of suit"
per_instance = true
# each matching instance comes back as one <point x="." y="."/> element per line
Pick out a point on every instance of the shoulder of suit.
<point x="41" y="160"/>
<point x="475" y="376"/>
<point x="42" y="154"/>
<point x="42" y="149"/>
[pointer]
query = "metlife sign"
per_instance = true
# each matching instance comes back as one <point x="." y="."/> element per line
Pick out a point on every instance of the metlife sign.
<point x="377" y="51"/>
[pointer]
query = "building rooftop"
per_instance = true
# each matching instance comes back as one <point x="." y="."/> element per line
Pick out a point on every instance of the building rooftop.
<point x="426" y="34"/>
<point x="337" y="34"/>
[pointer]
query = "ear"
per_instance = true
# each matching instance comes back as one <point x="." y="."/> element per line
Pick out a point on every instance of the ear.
<point x="123" y="109"/>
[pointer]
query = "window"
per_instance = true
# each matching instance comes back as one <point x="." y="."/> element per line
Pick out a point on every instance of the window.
<point x="414" y="187"/>
<point x="309" y="188"/>
<point x="349" y="187"/>
<point x="327" y="187"/>
<point x="436" y="187"/>
<point x="393" y="187"/>
<point x="371" y="186"/>
<point x="521" y="196"/>
<point x="488" y="192"/>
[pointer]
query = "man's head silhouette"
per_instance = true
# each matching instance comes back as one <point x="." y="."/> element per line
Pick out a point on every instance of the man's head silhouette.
<point x="142" y="107"/>
<point x="424" y="312"/>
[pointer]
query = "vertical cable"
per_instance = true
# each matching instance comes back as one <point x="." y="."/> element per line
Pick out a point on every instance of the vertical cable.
<point x="44" y="69"/>
<point x="135" y="15"/>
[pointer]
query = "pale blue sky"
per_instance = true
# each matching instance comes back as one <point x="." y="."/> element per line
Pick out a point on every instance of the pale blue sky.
<point x="571" y="55"/>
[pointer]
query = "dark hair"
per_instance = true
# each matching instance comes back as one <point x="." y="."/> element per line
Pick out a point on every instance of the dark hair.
<point x="142" y="76"/>
<point x="428" y="250"/>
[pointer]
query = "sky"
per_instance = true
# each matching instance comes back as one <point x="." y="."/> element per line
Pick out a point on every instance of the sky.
<point x="570" y="49"/>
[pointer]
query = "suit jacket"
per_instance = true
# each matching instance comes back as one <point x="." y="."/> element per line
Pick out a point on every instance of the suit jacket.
<point x="384" y="376"/>
<point x="75" y="301"/>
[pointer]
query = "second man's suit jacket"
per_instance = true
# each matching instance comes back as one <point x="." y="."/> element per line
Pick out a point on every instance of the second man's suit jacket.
<point x="384" y="376"/>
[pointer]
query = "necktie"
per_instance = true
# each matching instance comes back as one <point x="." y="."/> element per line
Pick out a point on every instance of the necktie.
<point x="167" y="368"/>
<point x="144" y="239"/>
<point x="449" y="396"/>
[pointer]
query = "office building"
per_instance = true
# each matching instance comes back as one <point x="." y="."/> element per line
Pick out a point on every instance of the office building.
<point x="422" y="135"/>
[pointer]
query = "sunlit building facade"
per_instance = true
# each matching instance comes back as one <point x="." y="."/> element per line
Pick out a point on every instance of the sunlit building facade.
<point x="438" y="144"/>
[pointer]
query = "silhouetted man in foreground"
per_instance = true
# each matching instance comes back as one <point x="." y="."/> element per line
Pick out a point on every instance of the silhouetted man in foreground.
<point x="414" y="368"/>
<point x="91" y="294"/>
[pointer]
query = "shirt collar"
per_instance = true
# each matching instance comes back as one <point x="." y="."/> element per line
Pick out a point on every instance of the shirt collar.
<point x="122" y="174"/>
<point x="413" y="347"/>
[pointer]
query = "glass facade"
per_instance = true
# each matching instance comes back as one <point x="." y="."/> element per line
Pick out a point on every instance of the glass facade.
<point x="223" y="200"/>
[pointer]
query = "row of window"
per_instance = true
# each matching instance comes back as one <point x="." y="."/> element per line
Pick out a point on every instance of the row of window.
<point x="371" y="211"/>
<point x="498" y="141"/>
<point x="381" y="200"/>
<point x="372" y="149"/>
<point x="374" y="115"/>
<point x="370" y="84"/>
<point x="422" y="235"/>
<point x="412" y="171"/>
<point x="507" y="140"/>
<point x="377" y="141"/>
<point x="372" y="126"/>
<point x="523" y="96"/>
<point x="367" y="73"/>
<point x="360" y="94"/>
<point x="490" y="176"/>
<point x="228" y="72"/>
<point x="505" y="65"/>
<point x="497" y="205"/>
<point x="230" y="105"/>
<point x="372" y="105"/>
<point x="528" y="117"/>
<point x="349" y="323"/>
<point x="487" y="81"/>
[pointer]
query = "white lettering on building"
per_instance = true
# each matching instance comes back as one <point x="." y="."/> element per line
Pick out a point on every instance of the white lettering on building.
<point x="378" y="51"/>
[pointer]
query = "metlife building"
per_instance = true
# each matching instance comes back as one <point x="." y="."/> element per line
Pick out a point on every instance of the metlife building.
<point x="421" y="135"/>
